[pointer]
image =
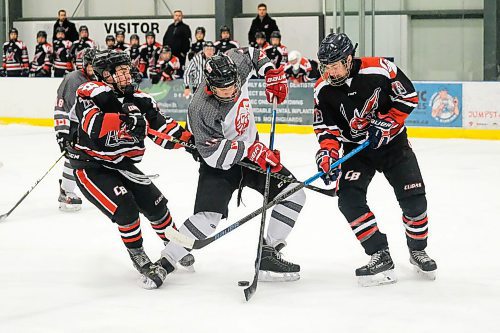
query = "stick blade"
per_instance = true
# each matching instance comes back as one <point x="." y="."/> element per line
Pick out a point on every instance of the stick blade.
<point x="3" y="217"/>
<point x="175" y="236"/>
<point x="250" y="291"/>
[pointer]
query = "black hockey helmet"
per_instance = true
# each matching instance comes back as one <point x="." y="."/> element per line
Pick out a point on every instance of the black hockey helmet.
<point x="150" y="33"/>
<point x="13" y="31"/>
<point x="260" y="34"/>
<point x="41" y="33"/>
<point x="120" y="33"/>
<point x="208" y="43"/>
<point x="335" y="47"/>
<point x="225" y="28"/>
<point x="108" y="60"/>
<point x="83" y="28"/>
<point x="60" y="29"/>
<point x="134" y="36"/>
<point x="110" y="37"/>
<point x="276" y="34"/>
<point x="88" y="56"/>
<point x="221" y="72"/>
<point x="200" y="29"/>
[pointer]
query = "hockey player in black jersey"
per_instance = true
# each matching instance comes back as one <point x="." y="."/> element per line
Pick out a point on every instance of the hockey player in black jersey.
<point x="80" y="45"/>
<point x="197" y="46"/>
<point x="113" y="117"/>
<point x="110" y="42"/>
<point x="149" y="54"/>
<point x="15" y="56"/>
<point x="221" y="118"/>
<point x="62" y="54"/>
<point x="135" y="50"/>
<point x="42" y="60"/>
<point x="225" y="42"/>
<point x="360" y="99"/>
<point x="120" y="41"/>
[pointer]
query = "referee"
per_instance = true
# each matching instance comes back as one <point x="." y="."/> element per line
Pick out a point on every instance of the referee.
<point x="194" y="72"/>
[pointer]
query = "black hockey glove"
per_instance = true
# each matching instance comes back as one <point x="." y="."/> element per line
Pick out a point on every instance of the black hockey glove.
<point x="63" y="141"/>
<point x="324" y="160"/>
<point x="193" y="151"/>
<point x="25" y="72"/>
<point x="134" y="122"/>
<point x="379" y="132"/>
<point x="3" y="72"/>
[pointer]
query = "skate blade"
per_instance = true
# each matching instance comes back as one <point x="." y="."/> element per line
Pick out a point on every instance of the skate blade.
<point x="64" y="207"/>
<point x="431" y="275"/>
<point x="379" y="279"/>
<point x="268" y="276"/>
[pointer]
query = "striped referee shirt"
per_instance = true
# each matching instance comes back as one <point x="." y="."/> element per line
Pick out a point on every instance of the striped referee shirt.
<point x="194" y="72"/>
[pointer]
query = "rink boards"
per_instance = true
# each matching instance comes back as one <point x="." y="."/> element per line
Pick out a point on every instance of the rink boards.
<point x="468" y="109"/>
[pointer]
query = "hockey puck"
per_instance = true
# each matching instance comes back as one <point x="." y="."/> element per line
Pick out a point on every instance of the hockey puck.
<point x="243" y="283"/>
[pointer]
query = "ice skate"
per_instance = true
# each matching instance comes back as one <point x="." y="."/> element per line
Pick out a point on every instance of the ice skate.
<point x="424" y="265"/>
<point x="152" y="275"/>
<point x="274" y="268"/>
<point x="69" y="201"/>
<point x="378" y="271"/>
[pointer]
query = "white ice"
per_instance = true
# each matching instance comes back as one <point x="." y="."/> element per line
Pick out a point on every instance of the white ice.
<point x="62" y="272"/>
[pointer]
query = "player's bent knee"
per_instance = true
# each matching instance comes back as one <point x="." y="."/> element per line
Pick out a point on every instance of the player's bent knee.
<point x="414" y="205"/>
<point x="126" y="214"/>
<point x="352" y="203"/>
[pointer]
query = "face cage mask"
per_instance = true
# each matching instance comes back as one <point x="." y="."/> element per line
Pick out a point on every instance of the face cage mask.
<point x="126" y="88"/>
<point x="335" y="81"/>
<point x="233" y="96"/>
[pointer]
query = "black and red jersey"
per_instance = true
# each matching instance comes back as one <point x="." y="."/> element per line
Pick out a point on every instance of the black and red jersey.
<point x="224" y="45"/>
<point x="100" y="132"/>
<point x="62" y="55"/>
<point x="77" y="50"/>
<point x="299" y="72"/>
<point x="278" y="54"/>
<point x="169" y="69"/>
<point x="135" y="53"/>
<point x="42" y="58"/>
<point x="149" y="55"/>
<point x="122" y="46"/>
<point x="15" y="56"/>
<point x="376" y="87"/>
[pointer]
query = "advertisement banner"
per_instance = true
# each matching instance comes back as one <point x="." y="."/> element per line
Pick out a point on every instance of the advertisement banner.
<point x="296" y="110"/>
<point x="481" y="105"/>
<point x="439" y="105"/>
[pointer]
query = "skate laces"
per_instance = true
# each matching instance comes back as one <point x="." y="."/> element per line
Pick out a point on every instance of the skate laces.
<point x="72" y="195"/>
<point x="374" y="259"/>
<point x="420" y="256"/>
<point x="279" y="256"/>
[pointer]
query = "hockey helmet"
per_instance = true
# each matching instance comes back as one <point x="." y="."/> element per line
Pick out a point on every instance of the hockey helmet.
<point x="200" y="29"/>
<point x="335" y="47"/>
<point x="108" y="61"/>
<point x="60" y="29"/>
<point x="150" y="33"/>
<point x="120" y="33"/>
<point x="276" y="34"/>
<point x="41" y="33"/>
<point x="13" y="31"/>
<point x="260" y="34"/>
<point x="83" y="28"/>
<point x="221" y="72"/>
<point x="134" y="36"/>
<point x="110" y="37"/>
<point x="88" y="56"/>
<point x="225" y="28"/>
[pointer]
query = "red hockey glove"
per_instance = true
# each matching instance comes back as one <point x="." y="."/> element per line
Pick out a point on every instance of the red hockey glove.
<point x="379" y="132"/>
<point x="324" y="160"/>
<point x="276" y="85"/>
<point x="263" y="156"/>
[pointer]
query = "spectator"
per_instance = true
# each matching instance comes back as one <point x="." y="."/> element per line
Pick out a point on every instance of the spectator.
<point x="298" y="68"/>
<point x="197" y="46"/>
<point x="263" y="22"/>
<point x="277" y="52"/>
<point x="69" y="27"/>
<point x="178" y="37"/>
<point x="41" y="64"/>
<point x="194" y="72"/>
<point x="15" y="56"/>
<point x="225" y="43"/>
<point x="62" y="54"/>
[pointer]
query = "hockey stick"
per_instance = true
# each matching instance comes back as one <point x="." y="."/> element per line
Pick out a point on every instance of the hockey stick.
<point x="250" y="290"/>
<point x="164" y="136"/>
<point x="4" y="216"/>
<point x="196" y="244"/>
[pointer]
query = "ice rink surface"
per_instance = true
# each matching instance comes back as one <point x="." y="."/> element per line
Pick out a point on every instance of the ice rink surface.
<point x="63" y="272"/>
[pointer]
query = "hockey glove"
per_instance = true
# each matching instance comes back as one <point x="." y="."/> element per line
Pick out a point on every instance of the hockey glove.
<point x="276" y="85"/>
<point x="3" y="72"/>
<point x="193" y="151"/>
<point x="379" y="131"/>
<point x="324" y="160"/>
<point x="134" y="121"/>
<point x="25" y="72"/>
<point x="263" y="156"/>
<point x="62" y="140"/>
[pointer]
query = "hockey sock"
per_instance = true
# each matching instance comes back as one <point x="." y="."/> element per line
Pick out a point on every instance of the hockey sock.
<point x="284" y="215"/>
<point x="160" y="225"/>
<point x="416" y="231"/>
<point x="68" y="183"/>
<point x="131" y="234"/>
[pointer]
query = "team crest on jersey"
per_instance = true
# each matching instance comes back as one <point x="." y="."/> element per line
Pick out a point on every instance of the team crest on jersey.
<point x="119" y="138"/>
<point x="242" y="119"/>
<point x="361" y="119"/>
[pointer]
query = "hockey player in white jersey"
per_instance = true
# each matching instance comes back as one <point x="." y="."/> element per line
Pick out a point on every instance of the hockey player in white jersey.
<point x="69" y="201"/>
<point x="221" y="118"/>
